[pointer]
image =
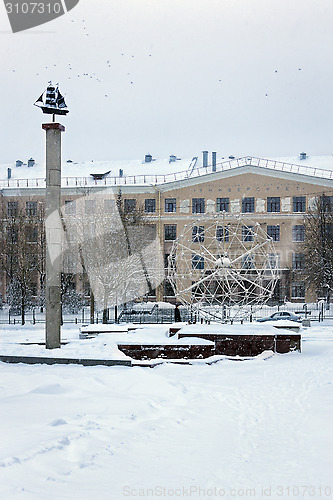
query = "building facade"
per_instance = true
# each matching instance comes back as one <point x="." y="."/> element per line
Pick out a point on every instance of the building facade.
<point x="276" y="195"/>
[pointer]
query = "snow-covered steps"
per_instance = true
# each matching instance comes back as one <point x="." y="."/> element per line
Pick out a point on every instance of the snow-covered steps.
<point x="90" y="331"/>
<point x="36" y="360"/>
<point x="246" y="339"/>
<point x="168" y="351"/>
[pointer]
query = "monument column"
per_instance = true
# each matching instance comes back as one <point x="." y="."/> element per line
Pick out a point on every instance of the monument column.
<point x="53" y="235"/>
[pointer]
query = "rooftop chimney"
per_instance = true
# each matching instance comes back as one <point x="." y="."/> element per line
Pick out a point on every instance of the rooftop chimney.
<point x="121" y="172"/>
<point x="214" y="161"/>
<point x="302" y="156"/>
<point x="9" y="173"/>
<point x="19" y="163"/>
<point x="148" y="158"/>
<point x="205" y="158"/>
<point x="31" y="162"/>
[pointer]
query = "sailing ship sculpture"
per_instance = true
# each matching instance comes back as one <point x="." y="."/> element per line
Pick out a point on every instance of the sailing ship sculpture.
<point x="52" y="102"/>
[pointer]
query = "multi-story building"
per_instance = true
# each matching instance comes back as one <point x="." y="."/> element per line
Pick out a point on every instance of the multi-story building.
<point x="174" y="193"/>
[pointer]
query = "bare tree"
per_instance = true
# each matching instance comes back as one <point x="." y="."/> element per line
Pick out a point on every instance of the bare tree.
<point x="115" y="246"/>
<point x="318" y="246"/>
<point x="22" y="249"/>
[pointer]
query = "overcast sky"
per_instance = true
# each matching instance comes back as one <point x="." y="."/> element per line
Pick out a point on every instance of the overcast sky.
<point x="240" y="77"/>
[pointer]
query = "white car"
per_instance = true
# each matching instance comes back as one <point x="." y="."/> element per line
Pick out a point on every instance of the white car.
<point x="281" y="315"/>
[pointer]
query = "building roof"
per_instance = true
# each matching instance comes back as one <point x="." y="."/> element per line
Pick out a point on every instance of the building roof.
<point x="159" y="171"/>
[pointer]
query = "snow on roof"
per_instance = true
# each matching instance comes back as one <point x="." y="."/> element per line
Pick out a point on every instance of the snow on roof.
<point x="86" y="168"/>
<point x="320" y="162"/>
<point x="156" y="171"/>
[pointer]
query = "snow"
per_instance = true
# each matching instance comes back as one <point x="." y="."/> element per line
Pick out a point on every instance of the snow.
<point x="79" y="173"/>
<point x="148" y="306"/>
<point x="70" y="431"/>
<point x="321" y="162"/>
<point x="100" y="328"/>
<point x="103" y="346"/>
<point x="241" y="329"/>
<point x="85" y="168"/>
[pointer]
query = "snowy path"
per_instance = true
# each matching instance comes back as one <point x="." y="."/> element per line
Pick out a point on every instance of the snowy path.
<point x="72" y="432"/>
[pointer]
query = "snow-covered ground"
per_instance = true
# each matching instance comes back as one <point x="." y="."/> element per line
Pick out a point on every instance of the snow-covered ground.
<point x="233" y="429"/>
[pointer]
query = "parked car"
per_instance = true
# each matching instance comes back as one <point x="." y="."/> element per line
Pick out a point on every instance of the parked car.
<point x="281" y="315"/>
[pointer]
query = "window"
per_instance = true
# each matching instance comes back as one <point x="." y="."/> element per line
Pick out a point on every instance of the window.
<point x="326" y="203"/>
<point x="327" y="230"/>
<point x="247" y="262"/>
<point x="198" y="205"/>
<point x="247" y="233"/>
<point x="70" y="234"/>
<point x="198" y="262"/>
<point x="32" y="261"/>
<point x="33" y="288"/>
<point x="298" y="290"/>
<point x="87" y="289"/>
<point x="70" y="207"/>
<point x="198" y="234"/>
<point x="12" y="208"/>
<point x="274" y="232"/>
<point x="31" y="208"/>
<point x="198" y="290"/>
<point x="222" y="233"/>
<point x="170" y="205"/>
<point x="110" y="205"/>
<point x="12" y="234"/>
<point x="299" y="232"/>
<point x="89" y="207"/>
<point x="150" y="205"/>
<point x="69" y="263"/>
<point x="222" y="204"/>
<point x="168" y="290"/>
<point x="248" y="205"/>
<point x="273" y="261"/>
<point x="129" y="205"/>
<point x="273" y="204"/>
<point x="298" y="261"/>
<point x="299" y="203"/>
<point x="169" y="259"/>
<point x="170" y="232"/>
<point x="150" y="232"/>
<point x="32" y="234"/>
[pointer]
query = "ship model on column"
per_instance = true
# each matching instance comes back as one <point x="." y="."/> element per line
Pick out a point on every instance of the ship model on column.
<point x="52" y="102"/>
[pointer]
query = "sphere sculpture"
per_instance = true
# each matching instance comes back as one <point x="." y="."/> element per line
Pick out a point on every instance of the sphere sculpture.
<point x="223" y="268"/>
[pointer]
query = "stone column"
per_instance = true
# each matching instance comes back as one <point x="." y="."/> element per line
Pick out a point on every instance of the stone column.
<point x="53" y="235"/>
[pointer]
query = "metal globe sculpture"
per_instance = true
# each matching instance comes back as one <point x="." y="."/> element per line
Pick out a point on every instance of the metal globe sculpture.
<point x="224" y="268"/>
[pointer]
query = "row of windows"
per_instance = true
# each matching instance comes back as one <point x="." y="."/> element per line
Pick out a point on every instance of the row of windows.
<point x="297" y="290"/>
<point x="30" y="208"/>
<point x="298" y="232"/>
<point x="170" y="206"/>
<point x="223" y="205"/>
<point x="198" y="205"/>
<point x="222" y="233"/>
<point x="273" y="204"/>
<point x="273" y="261"/>
<point x="30" y="233"/>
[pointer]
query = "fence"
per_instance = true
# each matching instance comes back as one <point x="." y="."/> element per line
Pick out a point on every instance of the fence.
<point x="140" y="316"/>
<point x="314" y="312"/>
